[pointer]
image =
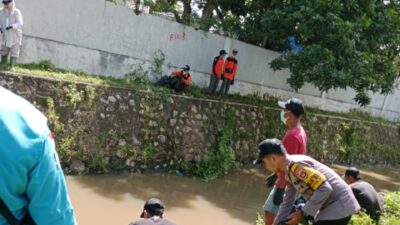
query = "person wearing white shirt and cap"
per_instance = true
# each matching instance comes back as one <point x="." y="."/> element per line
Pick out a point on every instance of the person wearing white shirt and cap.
<point x="10" y="32"/>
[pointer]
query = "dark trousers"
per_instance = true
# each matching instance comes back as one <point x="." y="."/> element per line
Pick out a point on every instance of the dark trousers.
<point x="214" y="81"/>
<point x="343" y="221"/>
<point x="225" y="86"/>
<point x="181" y="88"/>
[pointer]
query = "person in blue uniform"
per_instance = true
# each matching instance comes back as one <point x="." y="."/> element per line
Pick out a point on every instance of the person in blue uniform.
<point x="31" y="180"/>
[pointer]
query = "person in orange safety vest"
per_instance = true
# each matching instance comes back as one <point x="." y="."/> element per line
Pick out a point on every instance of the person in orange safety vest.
<point x="230" y="68"/>
<point x="217" y="71"/>
<point x="181" y="79"/>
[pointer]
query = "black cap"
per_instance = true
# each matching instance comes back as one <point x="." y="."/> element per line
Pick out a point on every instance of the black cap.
<point x="267" y="147"/>
<point x="153" y="206"/>
<point x="235" y="51"/>
<point x="352" y="171"/>
<point x="6" y="1"/>
<point x="294" y="105"/>
<point x="186" y="68"/>
<point x="222" y="52"/>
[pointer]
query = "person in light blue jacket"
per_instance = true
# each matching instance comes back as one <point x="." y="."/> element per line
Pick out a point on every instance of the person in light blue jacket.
<point x="31" y="179"/>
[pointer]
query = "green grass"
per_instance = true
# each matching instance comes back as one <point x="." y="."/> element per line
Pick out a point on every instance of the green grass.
<point x="140" y="81"/>
<point x="391" y="215"/>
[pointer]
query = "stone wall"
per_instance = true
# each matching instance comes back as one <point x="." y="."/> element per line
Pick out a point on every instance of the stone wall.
<point x="104" y="129"/>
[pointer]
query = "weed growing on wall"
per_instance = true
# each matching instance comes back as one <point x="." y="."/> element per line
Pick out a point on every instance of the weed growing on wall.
<point x="138" y="76"/>
<point x="148" y="153"/>
<point x="218" y="160"/>
<point x="73" y="95"/>
<point x="52" y="116"/>
<point x="90" y="94"/>
<point x="98" y="163"/>
<point x="158" y="61"/>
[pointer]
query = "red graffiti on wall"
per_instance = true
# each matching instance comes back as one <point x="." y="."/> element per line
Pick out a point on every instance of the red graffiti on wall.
<point x="177" y="37"/>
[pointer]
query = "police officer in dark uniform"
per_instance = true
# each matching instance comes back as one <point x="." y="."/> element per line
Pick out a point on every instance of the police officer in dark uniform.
<point x="329" y="200"/>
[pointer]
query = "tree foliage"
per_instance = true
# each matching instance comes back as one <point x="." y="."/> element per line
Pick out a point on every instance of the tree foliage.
<point x="346" y="43"/>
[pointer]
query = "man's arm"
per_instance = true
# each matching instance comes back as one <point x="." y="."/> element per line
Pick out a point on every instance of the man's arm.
<point x="213" y="67"/>
<point x="280" y="181"/>
<point x="187" y="80"/>
<point x="174" y="73"/>
<point x="317" y="182"/>
<point x="287" y="204"/>
<point x="19" y="22"/>
<point x="235" y="69"/>
<point x="49" y="203"/>
<point x="319" y="197"/>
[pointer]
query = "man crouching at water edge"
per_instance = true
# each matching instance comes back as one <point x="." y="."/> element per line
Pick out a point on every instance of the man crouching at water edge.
<point x="153" y="214"/>
<point x="329" y="200"/>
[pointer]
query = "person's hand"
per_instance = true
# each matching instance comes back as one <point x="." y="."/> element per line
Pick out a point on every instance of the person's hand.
<point x="232" y="81"/>
<point x="222" y="76"/>
<point x="278" y="196"/>
<point x="9" y="27"/>
<point x="295" y="218"/>
<point x="270" y="180"/>
<point x="283" y="222"/>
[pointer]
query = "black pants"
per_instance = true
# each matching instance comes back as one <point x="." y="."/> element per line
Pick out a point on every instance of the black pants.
<point x="225" y="86"/>
<point x="181" y="88"/>
<point x="214" y="81"/>
<point x="343" y="221"/>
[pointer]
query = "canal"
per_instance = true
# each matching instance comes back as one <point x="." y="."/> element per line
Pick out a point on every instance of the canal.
<point x="234" y="199"/>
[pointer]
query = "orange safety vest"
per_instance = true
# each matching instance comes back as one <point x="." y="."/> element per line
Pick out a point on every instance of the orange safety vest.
<point x="186" y="78"/>
<point x="218" y="66"/>
<point x="230" y="68"/>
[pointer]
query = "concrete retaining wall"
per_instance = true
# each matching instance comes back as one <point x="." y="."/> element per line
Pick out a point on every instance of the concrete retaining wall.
<point x="99" y="37"/>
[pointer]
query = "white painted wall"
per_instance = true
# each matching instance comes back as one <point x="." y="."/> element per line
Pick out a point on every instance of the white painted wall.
<point x="99" y="37"/>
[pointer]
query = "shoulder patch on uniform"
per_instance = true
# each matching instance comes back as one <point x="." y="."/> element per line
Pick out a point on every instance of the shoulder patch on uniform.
<point x="310" y="176"/>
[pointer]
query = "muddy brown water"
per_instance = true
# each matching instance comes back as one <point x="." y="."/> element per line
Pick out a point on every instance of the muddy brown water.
<point x="232" y="200"/>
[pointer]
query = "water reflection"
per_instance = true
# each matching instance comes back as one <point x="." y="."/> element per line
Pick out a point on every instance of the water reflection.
<point x="234" y="199"/>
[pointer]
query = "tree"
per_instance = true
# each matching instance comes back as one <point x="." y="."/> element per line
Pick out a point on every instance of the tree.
<point x="172" y="6"/>
<point x="346" y="43"/>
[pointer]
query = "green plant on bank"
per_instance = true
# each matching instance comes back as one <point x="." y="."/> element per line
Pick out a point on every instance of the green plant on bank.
<point x="260" y="220"/>
<point x="353" y="143"/>
<point x="90" y="94"/>
<point x="392" y="204"/>
<point x="148" y="153"/>
<point x="71" y="142"/>
<point x="391" y="215"/>
<point x="64" y="147"/>
<point x="52" y="116"/>
<point x="73" y="95"/>
<point x="98" y="163"/>
<point x="138" y="75"/>
<point x="219" y="160"/>
<point x="47" y="69"/>
<point x="361" y="219"/>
